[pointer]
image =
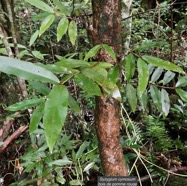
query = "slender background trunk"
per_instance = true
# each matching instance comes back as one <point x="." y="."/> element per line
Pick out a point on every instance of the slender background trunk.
<point x="107" y="30"/>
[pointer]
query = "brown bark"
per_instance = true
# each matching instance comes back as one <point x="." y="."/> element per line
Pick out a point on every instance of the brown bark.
<point x="107" y="30"/>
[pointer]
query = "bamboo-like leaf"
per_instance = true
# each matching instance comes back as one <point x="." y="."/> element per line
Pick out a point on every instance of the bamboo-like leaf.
<point x="62" y="28"/>
<point x="110" y="51"/>
<point x="26" y="70"/>
<point x="25" y="104"/>
<point x="182" y="81"/>
<point x="156" y="97"/>
<point x="81" y="149"/>
<point x="92" y="52"/>
<point x="165" y="102"/>
<point x="55" y="112"/>
<point x="46" y="24"/>
<point x="182" y="94"/>
<point x="143" y="100"/>
<point x="88" y="85"/>
<point x="72" y="31"/>
<point x="36" y="117"/>
<point x="163" y="63"/>
<point x="131" y="96"/>
<point x="156" y="74"/>
<point x="62" y="7"/>
<point x="61" y="162"/>
<point x="38" y="55"/>
<point x="168" y="77"/>
<point x="34" y="37"/>
<point x="143" y="76"/>
<point x="41" y="5"/>
<point x="129" y="65"/>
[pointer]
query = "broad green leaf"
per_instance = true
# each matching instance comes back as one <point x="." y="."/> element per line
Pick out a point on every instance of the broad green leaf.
<point x="168" y="77"/>
<point x="62" y="7"/>
<point x="150" y="44"/>
<point x="182" y="94"/>
<point x="101" y="71"/>
<point x="81" y="149"/>
<point x="156" y="74"/>
<point x="101" y="64"/>
<point x="34" y="37"/>
<point x="36" y="117"/>
<point x="26" y="70"/>
<point x="60" y="180"/>
<point x="58" y="69"/>
<point x="143" y="100"/>
<point x="165" y="102"/>
<point x="92" y="52"/>
<point x="75" y="182"/>
<point x="41" y="5"/>
<point x="143" y="76"/>
<point x="61" y="162"/>
<point x="55" y="112"/>
<point x="25" y="104"/>
<point x="110" y="51"/>
<point x="62" y="28"/>
<point x="38" y="55"/>
<point x="113" y="74"/>
<point x="72" y="31"/>
<point x="156" y="97"/>
<point x="72" y="63"/>
<point x="73" y="104"/>
<point x="88" y="85"/>
<point x="182" y="81"/>
<point x="98" y="78"/>
<point x="162" y="63"/>
<point x="129" y="65"/>
<point x="46" y="23"/>
<point x="131" y="96"/>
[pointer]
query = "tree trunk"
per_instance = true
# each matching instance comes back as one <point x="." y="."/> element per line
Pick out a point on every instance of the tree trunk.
<point x="107" y="30"/>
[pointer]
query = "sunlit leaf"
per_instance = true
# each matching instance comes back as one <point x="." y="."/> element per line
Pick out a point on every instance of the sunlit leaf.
<point x="72" y="31"/>
<point x="182" y="94"/>
<point x="25" y="104"/>
<point x="143" y="76"/>
<point x="113" y="74"/>
<point x="168" y="77"/>
<point x="46" y="23"/>
<point x="131" y="96"/>
<point x="41" y="5"/>
<point x="163" y="63"/>
<point x="26" y="70"/>
<point x="62" y="28"/>
<point x="182" y="81"/>
<point x="38" y="55"/>
<point x="156" y="97"/>
<point x="61" y="162"/>
<point x="62" y="7"/>
<point x="55" y="112"/>
<point x="156" y="74"/>
<point x="165" y="102"/>
<point x="92" y="52"/>
<point x="34" y="37"/>
<point x="81" y="149"/>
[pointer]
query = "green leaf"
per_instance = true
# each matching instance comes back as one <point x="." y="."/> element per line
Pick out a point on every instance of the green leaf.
<point x="168" y="77"/>
<point x="25" y="104"/>
<point x="81" y="149"/>
<point x="75" y="182"/>
<point x="116" y="94"/>
<point x="131" y="96"/>
<point x="46" y="23"/>
<point x="62" y="28"/>
<point x="156" y="97"/>
<point x="165" y="102"/>
<point x="163" y="63"/>
<point x="41" y="5"/>
<point x="72" y="63"/>
<point x="182" y="81"/>
<point x="55" y="112"/>
<point x="88" y="85"/>
<point x="72" y="32"/>
<point x="26" y="70"/>
<point x="129" y="65"/>
<point x="101" y="64"/>
<point x="61" y="162"/>
<point x="38" y="55"/>
<point x="40" y="87"/>
<point x="36" y="117"/>
<point x="182" y="94"/>
<point x="113" y="74"/>
<point x="110" y="51"/>
<point x="73" y="104"/>
<point x="92" y="52"/>
<point x="89" y="166"/>
<point x="143" y="76"/>
<point x="62" y="7"/>
<point x="143" y="100"/>
<point x="156" y="74"/>
<point x="34" y="37"/>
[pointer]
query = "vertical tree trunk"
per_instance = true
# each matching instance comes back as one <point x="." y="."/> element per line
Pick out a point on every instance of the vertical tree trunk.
<point x="107" y="30"/>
